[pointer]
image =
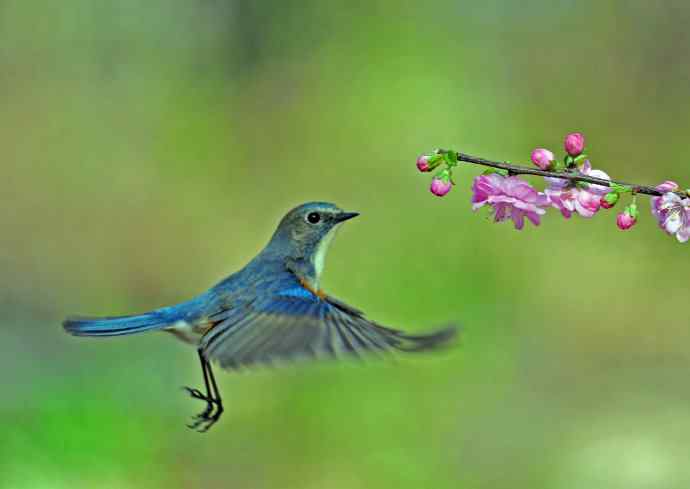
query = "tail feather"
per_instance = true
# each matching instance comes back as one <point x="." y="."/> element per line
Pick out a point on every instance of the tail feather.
<point x="115" y="326"/>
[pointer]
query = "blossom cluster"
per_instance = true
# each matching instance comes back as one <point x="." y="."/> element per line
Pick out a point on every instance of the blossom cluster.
<point x="510" y="197"/>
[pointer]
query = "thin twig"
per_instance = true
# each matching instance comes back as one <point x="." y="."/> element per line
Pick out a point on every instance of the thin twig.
<point x="572" y="176"/>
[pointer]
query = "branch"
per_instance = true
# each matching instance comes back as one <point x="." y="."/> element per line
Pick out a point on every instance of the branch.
<point x="572" y="176"/>
<point x="582" y="190"/>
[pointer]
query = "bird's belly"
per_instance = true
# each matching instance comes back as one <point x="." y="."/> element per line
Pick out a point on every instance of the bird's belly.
<point x="189" y="333"/>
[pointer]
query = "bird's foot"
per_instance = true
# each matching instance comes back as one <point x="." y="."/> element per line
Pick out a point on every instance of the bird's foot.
<point x="209" y="416"/>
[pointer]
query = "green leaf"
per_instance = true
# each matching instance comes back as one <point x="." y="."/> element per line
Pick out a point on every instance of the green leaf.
<point x="499" y="171"/>
<point x="612" y="197"/>
<point x="621" y="189"/>
<point x="443" y="175"/>
<point x="451" y="158"/>
<point x="557" y="166"/>
<point x="434" y="158"/>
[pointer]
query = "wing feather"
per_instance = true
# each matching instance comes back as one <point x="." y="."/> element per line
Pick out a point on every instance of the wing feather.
<point x="298" y="324"/>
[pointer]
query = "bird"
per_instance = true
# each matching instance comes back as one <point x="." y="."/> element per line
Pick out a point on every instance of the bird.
<point x="270" y="312"/>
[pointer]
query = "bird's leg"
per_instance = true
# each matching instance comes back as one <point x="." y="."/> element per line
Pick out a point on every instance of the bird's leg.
<point x="205" y="419"/>
<point x="212" y="419"/>
<point x="216" y="393"/>
<point x="195" y="393"/>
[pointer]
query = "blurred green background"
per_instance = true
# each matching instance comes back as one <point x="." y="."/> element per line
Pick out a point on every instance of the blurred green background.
<point x="149" y="149"/>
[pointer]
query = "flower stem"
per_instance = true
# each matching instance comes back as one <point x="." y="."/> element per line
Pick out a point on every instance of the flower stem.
<point x="567" y="175"/>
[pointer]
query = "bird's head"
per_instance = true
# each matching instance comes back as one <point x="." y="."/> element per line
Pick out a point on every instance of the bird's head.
<point x="307" y="231"/>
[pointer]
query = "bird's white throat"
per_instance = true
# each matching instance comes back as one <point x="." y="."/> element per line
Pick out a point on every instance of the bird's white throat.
<point x="319" y="257"/>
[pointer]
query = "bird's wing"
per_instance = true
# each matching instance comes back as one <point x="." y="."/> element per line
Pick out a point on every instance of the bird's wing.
<point x="295" y="323"/>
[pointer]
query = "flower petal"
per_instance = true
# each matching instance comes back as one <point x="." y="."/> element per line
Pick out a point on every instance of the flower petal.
<point x="673" y="222"/>
<point x="533" y="217"/>
<point x="599" y="189"/>
<point x="519" y="219"/>
<point x="667" y="186"/>
<point x="501" y="212"/>
<point x="556" y="183"/>
<point x="683" y="235"/>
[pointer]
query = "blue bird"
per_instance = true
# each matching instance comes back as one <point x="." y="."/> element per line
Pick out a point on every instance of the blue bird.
<point x="271" y="310"/>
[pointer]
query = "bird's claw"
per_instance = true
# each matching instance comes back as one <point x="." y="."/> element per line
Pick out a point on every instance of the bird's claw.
<point x="196" y="393"/>
<point x="203" y="421"/>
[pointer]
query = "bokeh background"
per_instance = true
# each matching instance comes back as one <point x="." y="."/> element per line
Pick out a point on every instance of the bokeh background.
<point x="149" y="148"/>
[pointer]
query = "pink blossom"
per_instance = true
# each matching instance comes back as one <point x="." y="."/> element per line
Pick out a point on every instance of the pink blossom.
<point x="574" y="143"/>
<point x="587" y="170"/>
<point x="440" y="186"/>
<point x="672" y="212"/>
<point x="510" y="198"/>
<point x="625" y="221"/>
<point x="542" y="158"/>
<point x="568" y="198"/>
<point x="667" y="186"/>
<point x="423" y="163"/>
<point x="604" y="204"/>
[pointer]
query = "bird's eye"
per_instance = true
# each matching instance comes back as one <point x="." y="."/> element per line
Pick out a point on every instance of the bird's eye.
<point x="313" y="217"/>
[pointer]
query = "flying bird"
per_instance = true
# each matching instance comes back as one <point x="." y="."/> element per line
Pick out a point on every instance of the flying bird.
<point x="271" y="310"/>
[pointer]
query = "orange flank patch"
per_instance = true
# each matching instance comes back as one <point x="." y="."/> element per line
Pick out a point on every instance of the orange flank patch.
<point x="319" y="293"/>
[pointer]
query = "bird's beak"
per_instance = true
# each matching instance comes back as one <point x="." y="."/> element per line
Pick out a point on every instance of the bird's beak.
<point x="344" y="216"/>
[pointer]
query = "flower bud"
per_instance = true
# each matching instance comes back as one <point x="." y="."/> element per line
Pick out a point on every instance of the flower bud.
<point x="609" y="200"/>
<point x="441" y="185"/>
<point x="574" y="143"/>
<point x="423" y="164"/>
<point x="627" y="219"/>
<point x="427" y="162"/>
<point x="543" y="158"/>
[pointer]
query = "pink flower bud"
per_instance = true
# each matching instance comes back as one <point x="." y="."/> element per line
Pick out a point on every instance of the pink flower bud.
<point x="625" y="220"/>
<point x="605" y="204"/>
<point x="423" y="163"/>
<point x="542" y="158"/>
<point x="609" y="200"/>
<point x="574" y="143"/>
<point x="440" y="186"/>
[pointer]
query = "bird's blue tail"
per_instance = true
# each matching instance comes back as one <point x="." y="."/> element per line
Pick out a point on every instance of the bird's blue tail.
<point x="116" y="326"/>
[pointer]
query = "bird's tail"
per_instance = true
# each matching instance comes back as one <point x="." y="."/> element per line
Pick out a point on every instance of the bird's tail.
<point x="116" y="326"/>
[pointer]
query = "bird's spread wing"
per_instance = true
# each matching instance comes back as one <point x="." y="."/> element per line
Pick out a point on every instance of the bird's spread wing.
<point x="295" y="323"/>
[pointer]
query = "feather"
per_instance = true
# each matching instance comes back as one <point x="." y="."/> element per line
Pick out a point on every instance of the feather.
<point x="295" y="323"/>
